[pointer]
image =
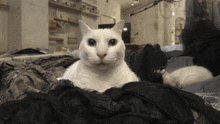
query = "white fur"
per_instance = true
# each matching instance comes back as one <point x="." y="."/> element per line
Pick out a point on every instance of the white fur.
<point x="93" y="73"/>
<point x="185" y="76"/>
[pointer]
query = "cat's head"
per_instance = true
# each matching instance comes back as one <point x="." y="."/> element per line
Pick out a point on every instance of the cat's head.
<point x="101" y="48"/>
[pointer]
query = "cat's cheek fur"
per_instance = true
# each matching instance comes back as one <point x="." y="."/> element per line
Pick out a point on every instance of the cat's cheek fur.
<point x="85" y="53"/>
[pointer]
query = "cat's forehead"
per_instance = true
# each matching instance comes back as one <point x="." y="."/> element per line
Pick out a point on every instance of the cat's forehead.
<point x="105" y="33"/>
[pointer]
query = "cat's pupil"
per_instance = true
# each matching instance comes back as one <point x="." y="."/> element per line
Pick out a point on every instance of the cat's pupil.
<point x="91" y="42"/>
<point x="112" y="42"/>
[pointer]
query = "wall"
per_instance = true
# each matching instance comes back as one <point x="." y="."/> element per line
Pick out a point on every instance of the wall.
<point x="91" y="21"/>
<point x="165" y="23"/>
<point x="155" y="25"/>
<point x="144" y="25"/>
<point x="34" y="23"/>
<point x="179" y="13"/>
<point x="112" y="9"/>
<point x="28" y="24"/>
<point x="14" y="25"/>
<point x="3" y="29"/>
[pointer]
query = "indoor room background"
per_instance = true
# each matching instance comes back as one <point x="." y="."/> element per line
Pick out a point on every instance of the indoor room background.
<point x="53" y="24"/>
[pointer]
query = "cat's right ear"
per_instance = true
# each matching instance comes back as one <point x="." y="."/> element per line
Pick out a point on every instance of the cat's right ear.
<point x="119" y="26"/>
<point x="84" y="28"/>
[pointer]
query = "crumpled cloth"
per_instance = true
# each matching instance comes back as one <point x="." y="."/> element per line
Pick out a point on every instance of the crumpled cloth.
<point x="18" y="77"/>
<point x="209" y="90"/>
<point x="134" y="103"/>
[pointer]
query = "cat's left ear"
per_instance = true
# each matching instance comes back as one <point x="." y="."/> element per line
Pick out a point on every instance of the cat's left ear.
<point x="84" y="28"/>
<point x="119" y="26"/>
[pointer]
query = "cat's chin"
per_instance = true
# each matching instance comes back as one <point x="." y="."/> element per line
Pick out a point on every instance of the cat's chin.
<point x="103" y="66"/>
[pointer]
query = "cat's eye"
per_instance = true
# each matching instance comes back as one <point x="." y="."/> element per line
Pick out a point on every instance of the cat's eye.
<point x="112" y="42"/>
<point x="91" y="42"/>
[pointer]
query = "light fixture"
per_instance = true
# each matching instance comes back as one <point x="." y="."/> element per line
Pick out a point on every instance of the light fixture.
<point x="135" y="2"/>
<point x="125" y="29"/>
<point x="173" y="13"/>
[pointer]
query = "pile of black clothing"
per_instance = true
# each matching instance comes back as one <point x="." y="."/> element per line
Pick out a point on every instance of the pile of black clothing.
<point x="203" y="44"/>
<point x="147" y="63"/>
<point x="27" y="51"/>
<point x="134" y="103"/>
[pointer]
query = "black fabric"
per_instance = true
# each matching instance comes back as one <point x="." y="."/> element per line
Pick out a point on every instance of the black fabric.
<point x="131" y="58"/>
<point x="203" y="44"/>
<point x="28" y="51"/>
<point x="134" y="103"/>
<point x="200" y="9"/>
<point x="202" y="32"/>
<point x="209" y="56"/>
<point x="148" y="62"/>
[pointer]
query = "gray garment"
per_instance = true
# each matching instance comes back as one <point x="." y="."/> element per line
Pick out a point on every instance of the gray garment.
<point x="209" y="90"/>
<point x="178" y="62"/>
<point x="216" y="15"/>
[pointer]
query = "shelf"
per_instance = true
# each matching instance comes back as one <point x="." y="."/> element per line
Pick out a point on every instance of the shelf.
<point x="77" y="0"/>
<point x="69" y="21"/>
<point x="56" y="30"/>
<point x="56" y="5"/>
<point x="55" y="39"/>
<point x="89" y="3"/>
<point x="52" y="24"/>
<point x="4" y="6"/>
<point x="90" y="14"/>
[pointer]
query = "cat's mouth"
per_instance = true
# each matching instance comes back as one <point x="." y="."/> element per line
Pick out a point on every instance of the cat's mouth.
<point x="101" y="63"/>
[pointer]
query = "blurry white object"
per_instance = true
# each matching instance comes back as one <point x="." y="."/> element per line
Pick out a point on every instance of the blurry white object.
<point x="168" y="48"/>
<point x="185" y="76"/>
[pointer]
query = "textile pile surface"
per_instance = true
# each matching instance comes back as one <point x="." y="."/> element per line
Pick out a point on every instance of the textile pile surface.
<point x="31" y="94"/>
<point x="137" y="102"/>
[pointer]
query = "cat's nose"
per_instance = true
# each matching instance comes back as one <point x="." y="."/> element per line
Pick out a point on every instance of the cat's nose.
<point x="101" y="56"/>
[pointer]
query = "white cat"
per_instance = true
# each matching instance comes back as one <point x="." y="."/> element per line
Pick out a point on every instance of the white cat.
<point x="185" y="76"/>
<point x="101" y="65"/>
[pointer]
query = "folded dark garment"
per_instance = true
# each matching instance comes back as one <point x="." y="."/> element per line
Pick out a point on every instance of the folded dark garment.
<point x="146" y="63"/>
<point x="28" y="51"/>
